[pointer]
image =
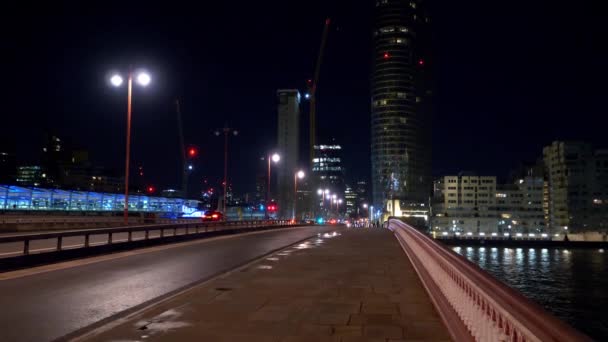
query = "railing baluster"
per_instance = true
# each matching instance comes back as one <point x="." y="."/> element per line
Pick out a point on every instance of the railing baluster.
<point x="59" y="238"/>
<point x="26" y="246"/>
<point x="86" y="240"/>
<point x="109" y="238"/>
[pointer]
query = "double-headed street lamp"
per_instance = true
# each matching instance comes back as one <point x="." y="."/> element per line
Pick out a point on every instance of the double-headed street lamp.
<point x="298" y="175"/>
<point x="226" y="130"/>
<point x="116" y="80"/>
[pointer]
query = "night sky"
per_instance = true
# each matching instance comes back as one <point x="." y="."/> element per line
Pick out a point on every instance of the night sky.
<point x="510" y="78"/>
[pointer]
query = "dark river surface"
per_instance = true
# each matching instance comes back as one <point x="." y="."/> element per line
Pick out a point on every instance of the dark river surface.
<point x="570" y="283"/>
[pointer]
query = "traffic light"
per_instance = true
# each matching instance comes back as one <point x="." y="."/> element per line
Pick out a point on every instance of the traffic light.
<point x="272" y="207"/>
<point x="150" y="189"/>
<point x="192" y="152"/>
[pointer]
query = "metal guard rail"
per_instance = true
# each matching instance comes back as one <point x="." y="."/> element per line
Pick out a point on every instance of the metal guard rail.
<point x="191" y="228"/>
<point x="474" y="305"/>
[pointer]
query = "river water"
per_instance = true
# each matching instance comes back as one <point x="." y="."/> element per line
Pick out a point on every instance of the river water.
<point x="570" y="283"/>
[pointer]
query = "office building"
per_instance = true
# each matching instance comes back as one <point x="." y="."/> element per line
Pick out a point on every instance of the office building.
<point x="400" y="106"/>
<point x="467" y="203"/>
<point x="288" y="147"/>
<point x="519" y="206"/>
<point x="577" y="190"/>
<point x="328" y="169"/>
<point x="477" y="205"/>
<point x="350" y="197"/>
<point x="30" y="175"/>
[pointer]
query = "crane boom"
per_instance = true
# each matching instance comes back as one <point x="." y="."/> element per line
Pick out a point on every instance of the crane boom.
<point x="312" y="86"/>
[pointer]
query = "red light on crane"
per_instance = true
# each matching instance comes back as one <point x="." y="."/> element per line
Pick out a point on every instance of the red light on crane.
<point x="421" y="62"/>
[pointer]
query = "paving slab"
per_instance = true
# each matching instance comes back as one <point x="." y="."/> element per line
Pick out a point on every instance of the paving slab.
<point x="354" y="285"/>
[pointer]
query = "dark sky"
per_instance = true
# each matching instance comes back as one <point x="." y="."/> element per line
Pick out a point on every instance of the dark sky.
<point x="510" y="78"/>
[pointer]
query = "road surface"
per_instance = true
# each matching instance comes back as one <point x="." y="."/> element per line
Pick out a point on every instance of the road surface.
<point x="50" y="305"/>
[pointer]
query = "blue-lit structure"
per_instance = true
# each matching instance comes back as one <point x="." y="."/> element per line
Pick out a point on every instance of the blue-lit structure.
<point x="37" y="199"/>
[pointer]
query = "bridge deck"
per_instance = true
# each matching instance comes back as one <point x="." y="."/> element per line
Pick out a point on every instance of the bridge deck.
<point x="355" y="286"/>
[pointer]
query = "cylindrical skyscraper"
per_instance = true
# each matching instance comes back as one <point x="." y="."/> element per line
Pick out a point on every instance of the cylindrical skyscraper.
<point x="400" y="101"/>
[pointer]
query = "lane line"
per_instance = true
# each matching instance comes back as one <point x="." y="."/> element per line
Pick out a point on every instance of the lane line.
<point x="93" y="260"/>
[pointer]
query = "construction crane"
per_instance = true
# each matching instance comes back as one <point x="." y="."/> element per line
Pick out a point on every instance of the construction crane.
<point x="312" y="90"/>
<point x="182" y="146"/>
<point x="312" y="95"/>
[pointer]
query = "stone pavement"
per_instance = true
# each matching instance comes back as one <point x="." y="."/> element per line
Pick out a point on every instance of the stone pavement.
<point x="350" y="285"/>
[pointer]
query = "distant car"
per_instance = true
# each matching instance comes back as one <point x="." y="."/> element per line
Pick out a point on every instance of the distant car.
<point x="213" y="215"/>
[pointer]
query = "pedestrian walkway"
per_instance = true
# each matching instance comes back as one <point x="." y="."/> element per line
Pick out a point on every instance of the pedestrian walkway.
<point x="349" y="285"/>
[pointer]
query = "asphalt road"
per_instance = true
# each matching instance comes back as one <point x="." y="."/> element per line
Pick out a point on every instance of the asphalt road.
<point x="50" y="305"/>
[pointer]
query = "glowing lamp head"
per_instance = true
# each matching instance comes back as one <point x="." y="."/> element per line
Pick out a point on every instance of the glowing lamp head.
<point x="276" y="157"/>
<point x="320" y="192"/>
<point x="116" y="80"/>
<point x="307" y="96"/>
<point x="143" y="79"/>
<point x="300" y="174"/>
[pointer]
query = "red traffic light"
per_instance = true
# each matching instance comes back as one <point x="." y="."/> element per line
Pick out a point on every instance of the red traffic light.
<point x="151" y="189"/>
<point x="272" y="207"/>
<point x="192" y="152"/>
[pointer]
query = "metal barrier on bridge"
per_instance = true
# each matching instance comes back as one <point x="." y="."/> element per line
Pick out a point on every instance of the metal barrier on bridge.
<point x="473" y="304"/>
<point x="188" y="228"/>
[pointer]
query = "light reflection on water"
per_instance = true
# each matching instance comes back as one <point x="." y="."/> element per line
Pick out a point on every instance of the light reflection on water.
<point x="570" y="283"/>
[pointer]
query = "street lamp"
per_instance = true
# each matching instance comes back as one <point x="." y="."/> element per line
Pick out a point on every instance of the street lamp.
<point x="116" y="80"/>
<point x="298" y="175"/>
<point x="275" y="158"/>
<point x="226" y="130"/>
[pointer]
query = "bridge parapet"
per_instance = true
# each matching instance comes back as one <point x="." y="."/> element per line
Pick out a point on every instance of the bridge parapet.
<point x="474" y="305"/>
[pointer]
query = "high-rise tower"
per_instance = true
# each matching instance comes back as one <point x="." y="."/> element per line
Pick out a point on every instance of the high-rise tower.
<point x="400" y="99"/>
<point x="288" y="145"/>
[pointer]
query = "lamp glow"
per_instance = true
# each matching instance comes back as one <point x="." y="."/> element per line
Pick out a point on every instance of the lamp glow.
<point x="116" y="80"/>
<point x="301" y="174"/>
<point x="276" y="157"/>
<point x="143" y="79"/>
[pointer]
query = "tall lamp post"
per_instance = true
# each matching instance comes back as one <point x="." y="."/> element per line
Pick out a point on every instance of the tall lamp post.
<point x="116" y="80"/>
<point x="275" y="158"/>
<point x="298" y="175"/>
<point x="226" y="130"/>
